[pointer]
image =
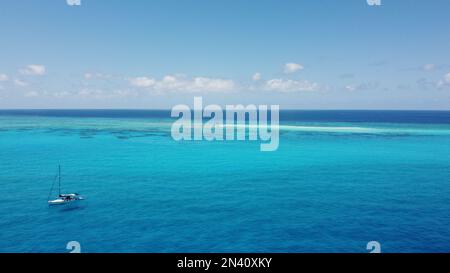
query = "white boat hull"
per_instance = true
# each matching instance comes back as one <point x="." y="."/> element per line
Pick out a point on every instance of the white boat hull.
<point x="64" y="201"/>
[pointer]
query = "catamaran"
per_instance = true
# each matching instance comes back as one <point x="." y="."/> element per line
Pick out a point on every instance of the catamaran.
<point x="63" y="198"/>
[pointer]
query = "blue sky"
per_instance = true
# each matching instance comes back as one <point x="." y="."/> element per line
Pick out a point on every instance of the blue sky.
<point x="154" y="54"/>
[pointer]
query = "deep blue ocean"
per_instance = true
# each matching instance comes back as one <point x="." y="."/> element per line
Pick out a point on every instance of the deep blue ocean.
<point x="338" y="180"/>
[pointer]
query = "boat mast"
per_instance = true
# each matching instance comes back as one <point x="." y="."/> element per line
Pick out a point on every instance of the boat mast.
<point x="59" y="179"/>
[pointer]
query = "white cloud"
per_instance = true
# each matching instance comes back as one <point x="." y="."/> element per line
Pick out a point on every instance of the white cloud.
<point x="73" y="2"/>
<point x="444" y="82"/>
<point x="447" y="78"/>
<point x="256" y="76"/>
<point x="292" y="67"/>
<point x="3" y="77"/>
<point x="184" y="84"/>
<point x="208" y="84"/>
<point x="362" y="86"/>
<point x="89" y="76"/>
<point x="142" y="82"/>
<point x="33" y="69"/>
<point x="282" y="85"/>
<point x="31" y="94"/>
<point x="429" y="67"/>
<point x="350" y="88"/>
<point x="95" y="93"/>
<point x="60" y="94"/>
<point x="20" y="83"/>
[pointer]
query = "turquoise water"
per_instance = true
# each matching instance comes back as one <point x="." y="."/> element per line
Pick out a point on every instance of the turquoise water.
<point x="332" y="186"/>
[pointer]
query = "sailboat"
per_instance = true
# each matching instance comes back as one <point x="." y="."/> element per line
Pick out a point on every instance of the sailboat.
<point x="63" y="198"/>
